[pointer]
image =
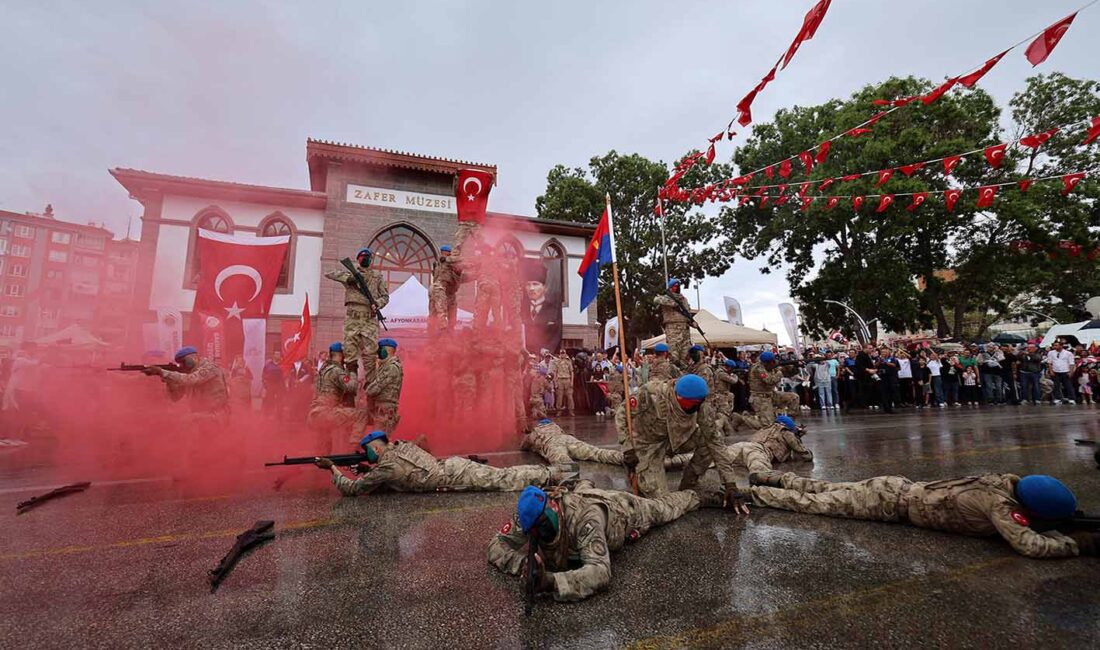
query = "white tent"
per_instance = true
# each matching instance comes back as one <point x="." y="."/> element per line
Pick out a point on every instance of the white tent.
<point x="408" y="307"/>
<point x="720" y="333"/>
<point x="1086" y="332"/>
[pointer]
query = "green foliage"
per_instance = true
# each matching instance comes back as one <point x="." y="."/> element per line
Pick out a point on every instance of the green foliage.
<point x="693" y="240"/>
<point x="885" y="265"/>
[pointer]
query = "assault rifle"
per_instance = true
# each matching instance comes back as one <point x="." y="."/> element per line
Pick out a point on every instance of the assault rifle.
<point x="1079" y="522"/>
<point x="249" y="539"/>
<point x="140" y="367"/>
<point x="340" y="460"/>
<point x="688" y="315"/>
<point x="532" y="574"/>
<point x="361" y="284"/>
<point x="64" y="490"/>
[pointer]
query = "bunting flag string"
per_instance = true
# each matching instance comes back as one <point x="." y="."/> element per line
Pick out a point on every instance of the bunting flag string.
<point x="1042" y="43"/>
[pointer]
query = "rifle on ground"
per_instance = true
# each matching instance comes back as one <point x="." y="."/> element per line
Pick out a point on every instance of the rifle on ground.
<point x="688" y="315"/>
<point x="361" y="284"/>
<point x="532" y="572"/>
<point x="140" y="367"/>
<point x="340" y="460"/>
<point x="1079" y="522"/>
<point x="249" y="539"/>
<point x="64" y="490"/>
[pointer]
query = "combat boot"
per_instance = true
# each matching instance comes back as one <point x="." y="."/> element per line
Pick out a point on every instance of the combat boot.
<point x="771" y="478"/>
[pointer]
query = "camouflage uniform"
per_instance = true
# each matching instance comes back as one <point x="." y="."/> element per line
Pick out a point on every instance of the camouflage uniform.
<point x="384" y="391"/>
<point x="974" y="505"/>
<point x="560" y="448"/>
<point x="755" y="456"/>
<point x="466" y="229"/>
<point x="782" y="444"/>
<point x="661" y="427"/>
<point x="704" y="370"/>
<point x="405" y="467"/>
<point x="663" y="368"/>
<point x="487" y="301"/>
<point x="327" y="411"/>
<point x="562" y="370"/>
<point x="537" y="402"/>
<point x="763" y="397"/>
<point x="464" y="386"/>
<point x="206" y="387"/>
<point x="615" y="389"/>
<point x="594" y="523"/>
<point x="511" y="297"/>
<point x="361" y="321"/>
<point x="442" y="299"/>
<point x="675" y="325"/>
<point x="729" y="421"/>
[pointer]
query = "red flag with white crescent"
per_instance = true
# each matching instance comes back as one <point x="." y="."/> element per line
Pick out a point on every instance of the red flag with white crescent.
<point x="950" y="162"/>
<point x="1094" y="131"/>
<point x="1070" y="181"/>
<point x="1038" y="139"/>
<point x="472" y="194"/>
<point x="857" y="203"/>
<point x="986" y="195"/>
<point x="831" y="203"/>
<point x="884" y="202"/>
<point x="1042" y="46"/>
<point x="1024" y="184"/>
<point x="883" y="176"/>
<point x="950" y="197"/>
<point x="296" y="338"/>
<point x="909" y="170"/>
<point x="823" y="151"/>
<point x="972" y="78"/>
<point x="918" y="200"/>
<point x="995" y="155"/>
<point x="807" y="159"/>
<point x="236" y="280"/>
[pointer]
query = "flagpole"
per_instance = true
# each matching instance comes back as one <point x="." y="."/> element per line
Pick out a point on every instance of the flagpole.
<point x="661" y="221"/>
<point x="622" y="330"/>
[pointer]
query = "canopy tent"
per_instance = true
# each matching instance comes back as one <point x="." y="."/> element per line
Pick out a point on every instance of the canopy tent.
<point x="1009" y="338"/>
<point x="72" y="337"/>
<point x="720" y="333"/>
<point x="408" y="307"/>
<point x="1086" y="333"/>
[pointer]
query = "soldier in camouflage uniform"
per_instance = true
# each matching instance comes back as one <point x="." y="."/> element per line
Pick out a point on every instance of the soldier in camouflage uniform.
<point x="578" y="528"/>
<point x="442" y="299"/>
<point x="405" y="467"/>
<point x="700" y="366"/>
<point x="674" y="322"/>
<point x="662" y="367"/>
<point x="482" y="267"/>
<point x="200" y="380"/>
<point x="991" y="504"/>
<point x="511" y="294"/>
<point x="562" y="369"/>
<point x="728" y="420"/>
<point x="536" y="402"/>
<point x="673" y="417"/>
<point x="764" y="377"/>
<point x="778" y="443"/>
<point x="466" y="230"/>
<point x="615" y="388"/>
<point x="384" y="390"/>
<point x="559" y="448"/>
<point x="361" y="321"/>
<point x="331" y="390"/>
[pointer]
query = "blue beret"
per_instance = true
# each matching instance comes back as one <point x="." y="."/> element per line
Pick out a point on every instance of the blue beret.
<point x="372" y="436"/>
<point x="1046" y="497"/>
<point x="672" y="282"/>
<point x="364" y="251"/>
<point x="546" y="421"/>
<point x="619" y="367"/>
<point x="661" y="347"/>
<point x="532" y="502"/>
<point x="388" y="343"/>
<point x="730" y="363"/>
<point x="336" y="347"/>
<point x="444" y="249"/>
<point x="184" y="351"/>
<point x="698" y="348"/>
<point x="766" y="356"/>
<point x="786" y="421"/>
<point x="692" y="387"/>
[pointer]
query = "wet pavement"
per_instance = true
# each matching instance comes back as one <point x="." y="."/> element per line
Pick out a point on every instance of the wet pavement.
<point x="125" y="565"/>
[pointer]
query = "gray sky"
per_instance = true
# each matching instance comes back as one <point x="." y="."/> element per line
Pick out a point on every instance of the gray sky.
<point x="230" y="90"/>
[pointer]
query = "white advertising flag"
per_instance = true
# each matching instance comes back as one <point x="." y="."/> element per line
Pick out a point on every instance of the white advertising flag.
<point x="611" y="333"/>
<point x="733" y="312"/>
<point x="790" y="321"/>
<point x="255" y="334"/>
<point x="169" y="330"/>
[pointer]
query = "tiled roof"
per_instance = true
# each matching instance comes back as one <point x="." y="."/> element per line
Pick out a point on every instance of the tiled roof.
<point x="140" y="182"/>
<point x="320" y="151"/>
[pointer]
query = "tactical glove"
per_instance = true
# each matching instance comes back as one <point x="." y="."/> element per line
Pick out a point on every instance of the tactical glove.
<point x="1087" y="543"/>
<point x="735" y="499"/>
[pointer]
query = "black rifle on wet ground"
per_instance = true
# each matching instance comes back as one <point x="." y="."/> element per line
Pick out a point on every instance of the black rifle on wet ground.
<point x="56" y="493"/>
<point x="139" y="367"/>
<point x="1079" y="522"/>
<point x="249" y="539"/>
<point x="361" y="284"/>
<point x="340" y="460"/>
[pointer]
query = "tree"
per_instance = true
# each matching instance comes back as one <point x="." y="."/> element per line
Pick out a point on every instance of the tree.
<point x="924" y="268"/>
<point x="694" y="244"/>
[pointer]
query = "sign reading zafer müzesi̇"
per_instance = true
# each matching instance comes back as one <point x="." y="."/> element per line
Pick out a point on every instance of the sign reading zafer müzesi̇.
<point x="399" y="199"/>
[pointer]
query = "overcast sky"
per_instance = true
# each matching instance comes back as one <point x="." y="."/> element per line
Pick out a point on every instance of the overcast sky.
<point x="231" y="90"/>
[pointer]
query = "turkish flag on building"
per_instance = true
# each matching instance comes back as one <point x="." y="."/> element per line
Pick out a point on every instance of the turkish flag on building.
<point x="986" y="195"/>
<point x="1042" y="46"/>
<point x="296" y="338"/>
<point x="472" y="194"/>
<point x="236" y="281"/>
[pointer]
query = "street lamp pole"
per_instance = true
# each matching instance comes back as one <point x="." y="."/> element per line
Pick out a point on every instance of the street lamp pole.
<point x="866" y="331"/>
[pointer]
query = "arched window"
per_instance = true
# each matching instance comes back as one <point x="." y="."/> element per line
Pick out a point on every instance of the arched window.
<point x="211" y="218"/>
<point x="278" y="226"/>
<point x="400" y="252"/>
<point x="557" y="282"/>
<point x="510" y="245"/>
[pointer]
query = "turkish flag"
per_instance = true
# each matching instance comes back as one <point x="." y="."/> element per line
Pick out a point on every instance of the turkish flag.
<point x="986" y="195"/>
<point x="950" y="162"/>
<point x="809" y="27"/>
<point x="1094" y="131"/>
<point x="710" y="153"/>
<point x="825" y="184"/>
<point x="857" y="203"/>
<point x="995" y="154"/>
<point x="237" y="278"/>
<point x="831" y="203"/>
<point x="883" y="176"/>
<point x="806" y="202"/>
<point x="856" y="132"/>
<point x="803" y="188"/>
<point x="296" y="338"/>
<point x="850" y="177"/>
<point x="1042" y="46"/>
<point x="939" y="92"/>
<point x="1038" y="139"/>
<point x="807" y="159"/>
<point x="918" y="200"/>
<point x="785" y="168"/>
<point x="884" y="202"/>
<point x="909" y="170"/>
<point x="472" y="194"/>
<point x="823" y="149"/>
<point x="769" y="173"/>
<point x="950" y="197"/>
<point x="876" y="117"/>
<point x="783" y="198"/>
<point x="972" y="78"/>
<point x="764" y="200"/>
<point x="1070" y="181"/>
<point x="1024" y="184"/>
